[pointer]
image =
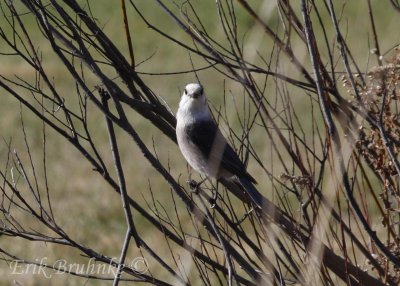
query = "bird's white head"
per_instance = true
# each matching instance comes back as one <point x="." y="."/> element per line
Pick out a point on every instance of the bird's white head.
<point x="194" y="92"/>
<point x="194" y="102"/>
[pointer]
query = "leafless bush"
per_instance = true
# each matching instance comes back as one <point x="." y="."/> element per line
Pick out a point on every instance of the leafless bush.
<point x="321" y="134"/>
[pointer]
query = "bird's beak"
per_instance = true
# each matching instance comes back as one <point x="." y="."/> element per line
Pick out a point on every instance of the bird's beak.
<point x="196" y="94"/>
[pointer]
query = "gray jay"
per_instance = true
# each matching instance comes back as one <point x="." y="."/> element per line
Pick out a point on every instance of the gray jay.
<point x="203" y="145"/>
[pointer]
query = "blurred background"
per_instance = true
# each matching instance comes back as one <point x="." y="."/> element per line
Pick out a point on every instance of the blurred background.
<point x="86" y="208"/>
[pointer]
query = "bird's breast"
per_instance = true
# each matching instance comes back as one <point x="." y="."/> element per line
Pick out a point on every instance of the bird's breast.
<point x="190" y="151"/>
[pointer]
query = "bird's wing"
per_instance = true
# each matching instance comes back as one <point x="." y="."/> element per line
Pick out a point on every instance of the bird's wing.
<point x="208" y="138"/>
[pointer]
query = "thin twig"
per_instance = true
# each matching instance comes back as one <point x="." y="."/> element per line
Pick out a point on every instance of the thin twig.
<point x="127" y="33"/>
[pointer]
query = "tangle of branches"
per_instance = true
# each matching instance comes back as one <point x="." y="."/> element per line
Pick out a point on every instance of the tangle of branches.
<point x="317" y="124"/>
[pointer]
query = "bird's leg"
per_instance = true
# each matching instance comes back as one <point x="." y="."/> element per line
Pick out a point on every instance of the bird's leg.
<point x="194" y="187"/>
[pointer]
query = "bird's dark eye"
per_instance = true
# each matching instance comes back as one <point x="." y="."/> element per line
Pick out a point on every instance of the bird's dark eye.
<point x="185" y="91"/>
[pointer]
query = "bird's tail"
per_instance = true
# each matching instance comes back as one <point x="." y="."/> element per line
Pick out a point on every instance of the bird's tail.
<point x="253" y="193"/>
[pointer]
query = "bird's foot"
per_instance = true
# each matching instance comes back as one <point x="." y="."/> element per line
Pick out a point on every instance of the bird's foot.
<point x="213" y="199"/>
<point x="194" y="186"/>
<point x="212" y="203"/>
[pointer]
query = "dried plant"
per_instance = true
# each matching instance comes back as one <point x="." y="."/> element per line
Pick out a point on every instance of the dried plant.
<point x="320" y="135"/>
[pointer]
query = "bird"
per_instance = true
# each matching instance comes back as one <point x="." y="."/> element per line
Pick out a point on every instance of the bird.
<point x="203" y="145"/>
